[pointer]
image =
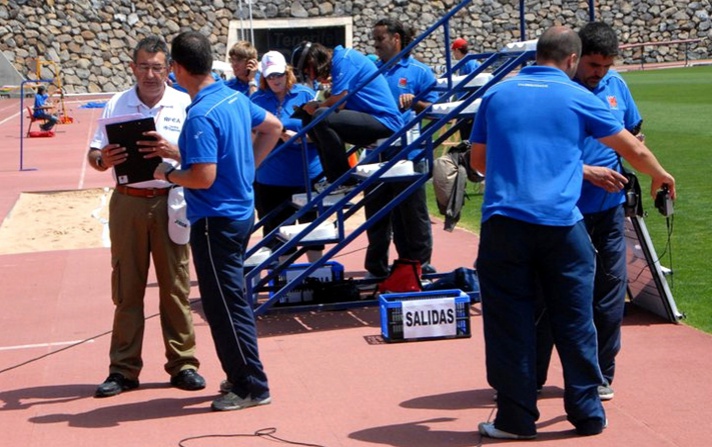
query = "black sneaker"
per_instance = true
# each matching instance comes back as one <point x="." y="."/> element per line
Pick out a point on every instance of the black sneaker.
<point x="115" y="384"/>
<point x="188" y="380"/>
<point x="591" y="427"/>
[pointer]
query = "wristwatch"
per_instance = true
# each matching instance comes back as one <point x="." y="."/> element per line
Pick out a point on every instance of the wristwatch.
<point x="100" y="162"/>
<point x="252" y="83"/>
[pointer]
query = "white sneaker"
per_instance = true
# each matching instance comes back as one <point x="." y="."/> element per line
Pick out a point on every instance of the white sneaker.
<point x="488" y="429"/>
<point x="232" y="401"/>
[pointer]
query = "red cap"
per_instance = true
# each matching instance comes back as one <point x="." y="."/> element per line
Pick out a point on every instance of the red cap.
<point x="458" y="43"/>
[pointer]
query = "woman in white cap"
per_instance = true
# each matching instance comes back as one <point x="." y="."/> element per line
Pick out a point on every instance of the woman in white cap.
<point x="282" y="174"/>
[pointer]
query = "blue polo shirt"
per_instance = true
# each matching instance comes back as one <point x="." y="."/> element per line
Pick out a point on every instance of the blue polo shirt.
<point x="241" y="86"/>
<point x="410" y="76"/>
<point x="614" y="93"/>
<point x="469" y="67"/>
<point x="286" y="168"/>
<point x="534" y="125"/>
<point x="218" y="129"/>
<point x="349" y="69"/>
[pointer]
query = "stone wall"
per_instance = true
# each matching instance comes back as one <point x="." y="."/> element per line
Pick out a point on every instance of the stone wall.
<point x="91" y="40"/>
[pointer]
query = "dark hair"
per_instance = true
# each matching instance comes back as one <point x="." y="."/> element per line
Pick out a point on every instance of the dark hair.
<point x="151" y="44"/>
<point x="394" y="26"/>
<point x="598" y="38"/>
<point x="314" y="55"/>
<point x="41" y="89"/>
<point x="557" y="43"/>
<point x="192" y="51"/>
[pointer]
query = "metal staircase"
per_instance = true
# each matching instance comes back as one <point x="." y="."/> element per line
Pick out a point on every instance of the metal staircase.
<point x="337" y="209"/>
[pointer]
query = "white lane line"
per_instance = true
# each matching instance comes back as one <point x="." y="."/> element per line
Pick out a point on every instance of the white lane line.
<point x="44" y="345"/>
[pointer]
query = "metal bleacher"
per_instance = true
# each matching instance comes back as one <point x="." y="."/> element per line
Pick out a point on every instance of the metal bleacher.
<point x="333" y="211"/>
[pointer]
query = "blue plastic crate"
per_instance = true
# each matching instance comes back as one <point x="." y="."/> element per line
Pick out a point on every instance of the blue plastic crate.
<point x="428" y="315"/>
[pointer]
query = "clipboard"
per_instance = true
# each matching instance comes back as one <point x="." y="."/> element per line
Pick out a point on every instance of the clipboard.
<point x="136" y="168"/>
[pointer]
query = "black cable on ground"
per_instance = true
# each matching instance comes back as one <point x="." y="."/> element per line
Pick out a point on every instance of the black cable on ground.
<point x="267" y="433"/>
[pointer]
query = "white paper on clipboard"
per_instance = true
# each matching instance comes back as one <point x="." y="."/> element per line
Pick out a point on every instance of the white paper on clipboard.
<point x="118" y="119"/>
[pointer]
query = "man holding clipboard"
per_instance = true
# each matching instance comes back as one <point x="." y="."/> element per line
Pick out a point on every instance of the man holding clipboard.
<point x="139" y="129"/>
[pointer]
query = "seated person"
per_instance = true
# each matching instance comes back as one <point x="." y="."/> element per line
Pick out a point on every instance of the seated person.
<point x="282" y="174"/>
<point x="367" y="116"/>
<point x="42" y="107"/>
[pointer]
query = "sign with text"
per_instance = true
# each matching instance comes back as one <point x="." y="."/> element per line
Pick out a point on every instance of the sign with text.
<point x="429" y="318"/>
<point x="284" y="40"/>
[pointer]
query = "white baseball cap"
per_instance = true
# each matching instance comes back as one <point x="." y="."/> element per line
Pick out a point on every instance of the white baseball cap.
<point x="273" y="62"/>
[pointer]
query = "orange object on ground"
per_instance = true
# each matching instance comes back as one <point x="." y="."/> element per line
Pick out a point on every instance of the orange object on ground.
<point x="41" y="134"/>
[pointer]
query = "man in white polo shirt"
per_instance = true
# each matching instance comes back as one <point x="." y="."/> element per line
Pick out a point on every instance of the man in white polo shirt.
<point x="138" y="228"/>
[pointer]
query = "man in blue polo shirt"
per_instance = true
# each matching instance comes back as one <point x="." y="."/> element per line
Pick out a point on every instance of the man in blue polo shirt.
<point x="526" y="138"/>
<point x="218" y="159"/>
<point x="367" y="116"/>
<point x="409" y="221"/>
<point x="601" y="202"/>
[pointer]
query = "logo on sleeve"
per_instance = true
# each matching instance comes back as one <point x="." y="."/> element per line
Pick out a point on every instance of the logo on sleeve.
<point x="612" y="102"/>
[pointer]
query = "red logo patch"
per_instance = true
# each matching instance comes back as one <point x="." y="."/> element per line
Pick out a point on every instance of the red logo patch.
<point x="612" y="102"/>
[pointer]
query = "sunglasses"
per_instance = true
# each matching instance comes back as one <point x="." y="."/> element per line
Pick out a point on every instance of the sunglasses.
<point x="274" y="76"/>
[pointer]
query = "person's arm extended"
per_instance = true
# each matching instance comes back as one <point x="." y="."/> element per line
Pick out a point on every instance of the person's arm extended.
<point x="311" y="106"/>
<point x="605" y="178"/>
<point x="266" y="136"/>
<point x="405" y="102"/>
<point x="642" y="159"/>
<point x="198" y="176"/>
<point x="478" y="157"/>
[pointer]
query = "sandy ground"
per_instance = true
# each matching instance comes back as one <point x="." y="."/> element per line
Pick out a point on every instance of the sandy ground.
<point x="61" y="220"/>
<point x="64" y="220"/>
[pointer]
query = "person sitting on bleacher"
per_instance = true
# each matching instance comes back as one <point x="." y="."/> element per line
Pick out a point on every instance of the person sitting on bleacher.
<point x="282" y="174"/>
<point x="42" y="107"/>
<point x="367" y="116"/>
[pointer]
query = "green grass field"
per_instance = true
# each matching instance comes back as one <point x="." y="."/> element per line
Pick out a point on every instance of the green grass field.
<point x="676" y="105"/>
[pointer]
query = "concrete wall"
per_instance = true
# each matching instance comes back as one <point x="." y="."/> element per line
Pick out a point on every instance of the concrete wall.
<point x="91" y="40"/>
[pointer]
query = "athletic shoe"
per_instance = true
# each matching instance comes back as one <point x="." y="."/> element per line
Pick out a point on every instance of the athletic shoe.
<point x="225" y="386"/>
<point x="488" y="429"/>
<point x="115" y="384"/>
<point x="188" y="380"/>
<point x="341" y="189"/>
<point x="591" y="427"/>
<point x="232" y="401"/>
<point x="605" y="392"/>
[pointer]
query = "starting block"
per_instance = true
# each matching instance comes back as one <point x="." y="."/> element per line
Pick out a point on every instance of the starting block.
<point x="41" y="134"/>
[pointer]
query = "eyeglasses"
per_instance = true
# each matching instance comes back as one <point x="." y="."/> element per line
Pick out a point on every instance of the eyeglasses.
<point x="274" y="76"/>
<point x="157" y="69"/>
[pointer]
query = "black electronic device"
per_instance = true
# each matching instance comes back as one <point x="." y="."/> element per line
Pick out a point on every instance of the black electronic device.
<point x="136" y="168"/>
<point x="300" y="113"/>
<point x="663" y="202"/>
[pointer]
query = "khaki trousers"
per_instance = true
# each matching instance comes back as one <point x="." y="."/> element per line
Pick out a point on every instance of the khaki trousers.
<point x="138" y="229"/>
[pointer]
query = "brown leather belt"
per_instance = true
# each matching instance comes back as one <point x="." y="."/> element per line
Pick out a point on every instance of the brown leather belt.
<point x="142" y="192"/>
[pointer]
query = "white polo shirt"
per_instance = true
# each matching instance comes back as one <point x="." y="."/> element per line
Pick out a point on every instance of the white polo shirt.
<point x="169" y="115"/>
